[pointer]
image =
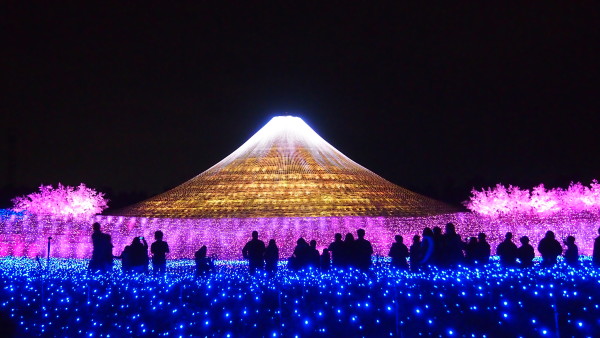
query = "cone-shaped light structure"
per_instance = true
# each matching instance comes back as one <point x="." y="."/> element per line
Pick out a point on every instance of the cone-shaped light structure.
<point x="286" y="170"/>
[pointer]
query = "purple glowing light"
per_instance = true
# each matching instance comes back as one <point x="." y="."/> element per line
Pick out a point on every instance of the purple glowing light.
<point x="512" y="200"/>
<point x="224" y="238"/>
<point x="68" y="201"/>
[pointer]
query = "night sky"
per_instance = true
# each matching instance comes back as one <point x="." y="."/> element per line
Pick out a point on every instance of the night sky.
<point x="133" y="100"/>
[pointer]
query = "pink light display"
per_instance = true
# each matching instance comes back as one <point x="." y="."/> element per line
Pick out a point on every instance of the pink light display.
<point x="79" y="201"/>
<point x="27" y="236"/>
<point x="287" y="182"/>
<point x="512" y="200"/>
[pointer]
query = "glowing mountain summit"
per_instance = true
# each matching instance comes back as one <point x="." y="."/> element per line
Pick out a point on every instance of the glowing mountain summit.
<point x="286" y="170"/>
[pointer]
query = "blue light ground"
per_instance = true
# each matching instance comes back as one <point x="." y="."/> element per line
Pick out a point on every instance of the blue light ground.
<point x="66" y="300"/>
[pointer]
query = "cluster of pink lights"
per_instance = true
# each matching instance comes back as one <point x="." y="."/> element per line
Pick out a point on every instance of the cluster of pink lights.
<point x="224" y="238"/>
<point x="79" y="201"/>
<point x="511" y="200"/>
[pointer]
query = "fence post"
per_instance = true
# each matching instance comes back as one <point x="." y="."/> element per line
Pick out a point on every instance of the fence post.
<point x="48" y="257"/>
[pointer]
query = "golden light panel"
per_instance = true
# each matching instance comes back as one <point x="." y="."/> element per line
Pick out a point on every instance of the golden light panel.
<point x="286" y="170"/>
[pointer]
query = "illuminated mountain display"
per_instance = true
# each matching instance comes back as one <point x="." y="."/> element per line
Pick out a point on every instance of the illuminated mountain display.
<point x="286" y="170"/>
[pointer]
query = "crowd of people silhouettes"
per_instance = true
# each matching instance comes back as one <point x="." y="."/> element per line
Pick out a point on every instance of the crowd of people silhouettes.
<point x="134" y="257"/>
<point x="447" y="249"/>
<point x="432" y="248"/>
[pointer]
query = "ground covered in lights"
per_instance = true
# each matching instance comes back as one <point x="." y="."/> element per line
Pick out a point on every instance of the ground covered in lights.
<point x="65" y="300"/>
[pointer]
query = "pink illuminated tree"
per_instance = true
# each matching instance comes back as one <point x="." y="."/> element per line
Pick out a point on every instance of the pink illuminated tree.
<point x="79" y="201"/>
<point x="581" y="198"/>
<point x="503" y="201"/>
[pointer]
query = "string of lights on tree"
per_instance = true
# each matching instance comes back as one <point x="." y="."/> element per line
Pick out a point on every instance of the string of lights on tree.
<point x="62" y="201"/>
<point x="539" y="201"/>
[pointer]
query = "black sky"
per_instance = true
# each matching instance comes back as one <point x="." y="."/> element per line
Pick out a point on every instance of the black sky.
<point x="139" y="98"/>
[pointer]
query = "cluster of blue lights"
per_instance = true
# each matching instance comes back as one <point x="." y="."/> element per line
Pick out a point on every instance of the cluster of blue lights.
<point x="64" y="299"/>
<point x="8" y="213"/>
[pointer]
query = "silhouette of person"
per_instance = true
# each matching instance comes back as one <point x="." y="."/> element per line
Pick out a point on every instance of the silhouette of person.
<point x="108" y="253"/>
<point x="399" y="253"/>
<point x="301" y="255"/>
<point x="525" y="252"/>
<point x="325" y="260"/>
<point x="415" y="253"/>
<point x="507" y="250"/>
<point x="314" y="259"/>
<point x="427" y="247"/>
<point x="572" y="252"/>
<point x="484" y="249"/>
<point x="203" y="263"/>
<point x="335" y="248"/>
<point x="364" y="250"/>
<point x="159" y="251"/>
<point x="126" y="263"/>
<point x="453" y="246"/>
<point x="596" y="252"/>
<point x="471" y="251"/>
<point x="271" y="257"/>
<point x="102" y="256"/>
<point x="437" y="256"/>
<point x="139" y="254"/>
<point x="254" y="252"/>
<point x="550" y="249"/>
<point x="348" y="252"/>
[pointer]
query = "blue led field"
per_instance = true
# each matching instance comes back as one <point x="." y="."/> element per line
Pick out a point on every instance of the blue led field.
<point x="66" y="300"/>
